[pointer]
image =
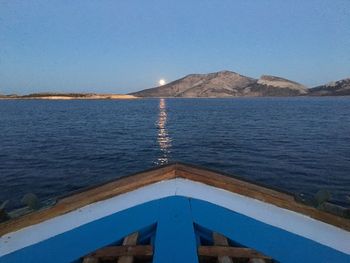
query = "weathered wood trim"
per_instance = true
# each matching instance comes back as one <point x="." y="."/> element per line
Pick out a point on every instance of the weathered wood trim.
<point x="220" y="240"/>
<point x="133" y="182"/>
<point x="90" y="260"/>
<point x="264" y="194"/>
<point x="232" y="252"/>
<point x="129" y="240"/>
<point x="120" y="251"/>
<point x="76" y="201"/>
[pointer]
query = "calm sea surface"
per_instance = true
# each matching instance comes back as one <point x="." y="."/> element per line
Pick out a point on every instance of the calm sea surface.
<point x="51" y="148"/>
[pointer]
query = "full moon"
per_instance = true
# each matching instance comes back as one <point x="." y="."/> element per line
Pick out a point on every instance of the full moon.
<point x="161" y="82"/>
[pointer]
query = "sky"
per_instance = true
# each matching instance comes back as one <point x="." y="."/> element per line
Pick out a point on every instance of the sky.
<point x="127" y="45"/>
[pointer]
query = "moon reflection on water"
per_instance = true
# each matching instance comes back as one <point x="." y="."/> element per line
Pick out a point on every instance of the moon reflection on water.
<point x="163" y="138"/>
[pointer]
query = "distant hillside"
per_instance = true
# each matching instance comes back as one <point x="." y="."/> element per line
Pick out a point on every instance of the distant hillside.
<point x="69" y="96"/>
<point x="337" y="88"/>
<point x="225" y="84"/>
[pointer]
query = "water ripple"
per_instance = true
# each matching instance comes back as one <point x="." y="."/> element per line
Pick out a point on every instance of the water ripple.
<point x="54" y="147"/>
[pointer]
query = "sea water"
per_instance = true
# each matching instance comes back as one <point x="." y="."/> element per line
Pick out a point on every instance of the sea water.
<point x="52" y="147"/>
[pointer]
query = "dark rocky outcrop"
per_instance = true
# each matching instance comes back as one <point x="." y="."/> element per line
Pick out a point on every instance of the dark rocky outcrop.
<point x="337" y="88"/>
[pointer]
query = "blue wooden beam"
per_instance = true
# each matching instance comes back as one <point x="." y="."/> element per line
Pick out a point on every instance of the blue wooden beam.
<point x="277" y="243"/>
<point x="73" y="244"/>
<point x="175" y="238"/>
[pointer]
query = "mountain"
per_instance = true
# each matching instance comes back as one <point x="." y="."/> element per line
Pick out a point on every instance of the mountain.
<point x="225" y="84"/>
<point x="337" y="88"/>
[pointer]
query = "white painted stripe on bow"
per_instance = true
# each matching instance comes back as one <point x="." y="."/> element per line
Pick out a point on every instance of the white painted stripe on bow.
<point x="290" y="221"/>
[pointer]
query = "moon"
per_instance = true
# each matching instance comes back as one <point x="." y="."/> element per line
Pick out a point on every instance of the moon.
<point x="161" y="82"/>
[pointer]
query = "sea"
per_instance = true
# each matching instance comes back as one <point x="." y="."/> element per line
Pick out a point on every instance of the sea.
<point x="54" y="147"/>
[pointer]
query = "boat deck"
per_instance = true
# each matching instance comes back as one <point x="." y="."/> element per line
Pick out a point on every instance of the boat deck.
<point x="177" y="213"/>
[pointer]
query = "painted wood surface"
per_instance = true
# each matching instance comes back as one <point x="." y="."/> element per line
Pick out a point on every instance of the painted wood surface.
<point x="71" y="245"/>
<point x="279" y="244"/>
<point x="212" y="178"/>
<point x="89" y="196"/>
<point x="263" y="212"/>
<point x="238" y="185"/>
<point x="174" y="197"/>
<point x="175" y="239"/>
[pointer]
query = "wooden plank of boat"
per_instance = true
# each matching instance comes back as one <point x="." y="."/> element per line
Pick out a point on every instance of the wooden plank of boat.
<point x="91" y="195"/>
<point x="90" y="260"/>
<point x="220" y="240"/>
<point x="242" y="187"/>
<point x="172" y="171"/>
<point x="175" y="197"/>
<point x="256" y="260"/>
<point x="224" y="252"/>
<point x="124" y="251"/>
<point x="129" y="240"/>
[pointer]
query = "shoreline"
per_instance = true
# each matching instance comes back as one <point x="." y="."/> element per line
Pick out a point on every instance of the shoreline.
<point x="71" y="97"/>
<point x="131" y="97"/>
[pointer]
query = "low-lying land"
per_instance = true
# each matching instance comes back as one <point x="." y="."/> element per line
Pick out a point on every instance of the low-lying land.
<point x="70" y="96"/>
<point x="222" y="84"/>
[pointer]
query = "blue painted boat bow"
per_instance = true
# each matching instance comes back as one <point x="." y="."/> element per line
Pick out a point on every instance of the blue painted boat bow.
<point x="180" y="210"/>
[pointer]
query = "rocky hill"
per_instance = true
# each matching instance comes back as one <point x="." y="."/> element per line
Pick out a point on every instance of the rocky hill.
<point x="225" y="84"/>
<point x="337" y="88"/>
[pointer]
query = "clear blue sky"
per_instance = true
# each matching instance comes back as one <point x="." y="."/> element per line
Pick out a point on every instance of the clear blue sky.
<point x="125" y="45"/>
